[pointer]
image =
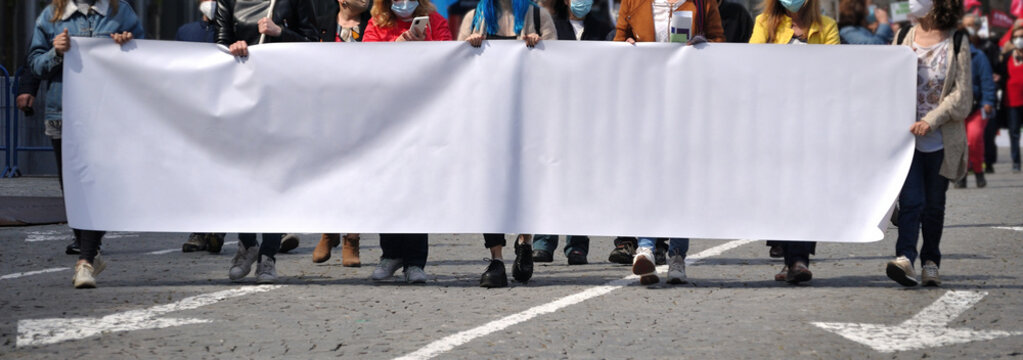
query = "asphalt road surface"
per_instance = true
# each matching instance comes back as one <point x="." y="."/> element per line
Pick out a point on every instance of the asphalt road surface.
<point x="155" y="302"/>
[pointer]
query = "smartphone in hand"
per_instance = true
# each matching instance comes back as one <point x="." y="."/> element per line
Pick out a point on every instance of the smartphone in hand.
<point x="419" y="24"/>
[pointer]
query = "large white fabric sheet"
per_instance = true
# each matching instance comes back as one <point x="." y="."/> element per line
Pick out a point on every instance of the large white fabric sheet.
<point x="721" y="141"/>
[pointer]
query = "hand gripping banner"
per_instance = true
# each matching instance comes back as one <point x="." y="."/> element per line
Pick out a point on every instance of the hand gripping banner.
<point x="714" y="141"/>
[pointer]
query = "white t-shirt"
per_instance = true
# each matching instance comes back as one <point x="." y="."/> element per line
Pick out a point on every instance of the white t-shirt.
<point x="932" y="66"/>
<point x="577" y="26"/>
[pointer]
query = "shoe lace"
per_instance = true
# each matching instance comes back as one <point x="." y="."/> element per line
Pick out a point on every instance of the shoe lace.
<point x="930" y="271"/>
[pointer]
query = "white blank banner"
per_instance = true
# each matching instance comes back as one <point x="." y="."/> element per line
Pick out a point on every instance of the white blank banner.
<point x="721" y="141"/>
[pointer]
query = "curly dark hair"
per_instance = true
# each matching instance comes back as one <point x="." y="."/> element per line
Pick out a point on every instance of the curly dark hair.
<point x="945" y="14"/>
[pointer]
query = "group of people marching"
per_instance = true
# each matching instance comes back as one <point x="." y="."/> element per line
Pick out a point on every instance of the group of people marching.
<point x="945" y="97"/>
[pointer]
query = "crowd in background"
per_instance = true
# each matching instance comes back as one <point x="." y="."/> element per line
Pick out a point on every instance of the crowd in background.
<point x="969" y="83"/>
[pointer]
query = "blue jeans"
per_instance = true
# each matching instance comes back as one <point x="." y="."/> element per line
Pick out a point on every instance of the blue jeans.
<point x="549" y="243"/>
<point x="676" y="246"/>
<point x="922" y="208"/>
<point x="1015" y="114"/>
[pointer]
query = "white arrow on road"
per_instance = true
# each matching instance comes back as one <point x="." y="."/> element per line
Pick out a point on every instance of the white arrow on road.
<point x="51" y="331"/>
<point x="929" y="328"/>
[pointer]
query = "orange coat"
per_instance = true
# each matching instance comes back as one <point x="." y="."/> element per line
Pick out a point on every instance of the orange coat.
<point x="636" y="20"/>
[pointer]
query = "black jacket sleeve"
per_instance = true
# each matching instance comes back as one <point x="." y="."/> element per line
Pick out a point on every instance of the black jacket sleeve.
<point x="28" y="83"/>
<point x="298" y="25"/>
<point x="225" y="22"/>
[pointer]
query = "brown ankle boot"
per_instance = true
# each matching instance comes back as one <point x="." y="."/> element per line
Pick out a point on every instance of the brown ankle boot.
<point x="350" y="251"/>
<point x="322" y="251"/>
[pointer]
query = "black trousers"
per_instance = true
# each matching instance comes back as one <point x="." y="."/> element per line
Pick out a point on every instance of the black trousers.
<point x="88" y="240"/>
<point x="271" y="243"/>
<point x="412" y="249"/>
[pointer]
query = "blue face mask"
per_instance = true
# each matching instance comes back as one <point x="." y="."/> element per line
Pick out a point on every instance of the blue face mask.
<point x="581" y="7"/>
<point x="793" y="5"/>
<point x="404" y="9"/>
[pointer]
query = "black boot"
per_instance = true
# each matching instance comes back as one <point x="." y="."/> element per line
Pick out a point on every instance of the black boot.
<point x="522" y="268"/>
<point x="495" y="276"/>
<point x="981" y="181"/>
<point x="961" y="183"/>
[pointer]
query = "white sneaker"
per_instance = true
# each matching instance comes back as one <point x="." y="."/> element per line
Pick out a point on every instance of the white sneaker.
<point x="643" y="265"/>
<point x="386" y="268"/>
<point x="677" y="270"/>
<point x="929" y="274"/>
<point x="266" y="271"/>
<point x="415" y="275"/>
<point x="901" y="270"/>
<point x="241" y="264"/>
<point x="83" y="278"/>
<point x="98" y="265"/>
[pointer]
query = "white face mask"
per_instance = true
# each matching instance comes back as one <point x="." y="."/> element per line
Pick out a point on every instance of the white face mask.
<point x="206" y="8"/>
<point x="919" y="8"/>
<point x="1018" y="43"/>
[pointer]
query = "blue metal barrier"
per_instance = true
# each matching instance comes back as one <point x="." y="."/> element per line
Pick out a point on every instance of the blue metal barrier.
<point x="15" y="171"/>
<point x="6" y="118"/>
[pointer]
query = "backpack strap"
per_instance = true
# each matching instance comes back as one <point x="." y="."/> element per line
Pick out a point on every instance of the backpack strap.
<point x="902" y="35"/>
<point x="957" y="38"/>
<point x="698" y="22"/>
<point x="536" y="20"/>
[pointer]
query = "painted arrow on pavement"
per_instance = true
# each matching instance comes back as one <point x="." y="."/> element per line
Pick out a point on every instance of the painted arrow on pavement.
<point x="52" y="331"/>
<point x="929" y="328"/>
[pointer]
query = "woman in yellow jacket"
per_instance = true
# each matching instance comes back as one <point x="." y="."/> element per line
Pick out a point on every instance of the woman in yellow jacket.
<point x="794" y="22"/>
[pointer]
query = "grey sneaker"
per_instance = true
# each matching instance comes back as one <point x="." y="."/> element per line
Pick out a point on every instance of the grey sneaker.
<point x="83" y="278"/>
<point x="241" y="264"/>
<point x="385" y="270"/>
<point x="901" y="270"/>
<point x="929" y="274"/>
<point x="415" y="275"/>
<point x="677" y="270"/>
<point x="266" y="271"/>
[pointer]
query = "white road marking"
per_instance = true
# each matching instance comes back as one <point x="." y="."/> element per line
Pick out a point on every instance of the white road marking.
<point x="1014" y="228"/>
<point x="29" y="273"/>
<point x="168" y="251"/>
<point x="929" y="328"/>
<point x="452" y="341"/>
<point x="52" y="331"/>
<point x="54" y="235"/>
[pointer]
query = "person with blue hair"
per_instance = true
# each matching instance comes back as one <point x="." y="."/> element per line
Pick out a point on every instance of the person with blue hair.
<point x="507" y="20"/>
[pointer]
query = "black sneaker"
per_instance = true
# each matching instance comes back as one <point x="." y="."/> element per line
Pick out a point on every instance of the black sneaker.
<point x="625" y="250"/>
<point x="522" y="268"/>
<point x="288" y="242"/>
<point x="1015" y="168"/>
<point x="981" y="181"/>
<point x="495" y="276"/>
<point x="542" y="256"/>
<point x="74" y="248"/>
<point x="576" y="257"/>
<point x="776" y="251"/>
<point x="661" y="255"/>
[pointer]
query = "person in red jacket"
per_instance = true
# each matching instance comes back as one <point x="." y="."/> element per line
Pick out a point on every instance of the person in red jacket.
<point x="392" y="21"/>
<point x="1013" y="59"/>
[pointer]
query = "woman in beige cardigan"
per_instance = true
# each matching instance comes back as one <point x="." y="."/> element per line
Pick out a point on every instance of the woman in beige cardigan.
<point x="944" y="97"/>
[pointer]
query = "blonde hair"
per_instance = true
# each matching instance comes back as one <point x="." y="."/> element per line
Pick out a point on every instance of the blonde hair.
<point x="774" y="12"/>
<point x="59" y="5"/>
<point x="383" y="16"/>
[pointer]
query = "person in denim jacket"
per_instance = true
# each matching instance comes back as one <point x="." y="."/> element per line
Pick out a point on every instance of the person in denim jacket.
<point x="54" y="28"/>
<point x="854" y="20"/>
